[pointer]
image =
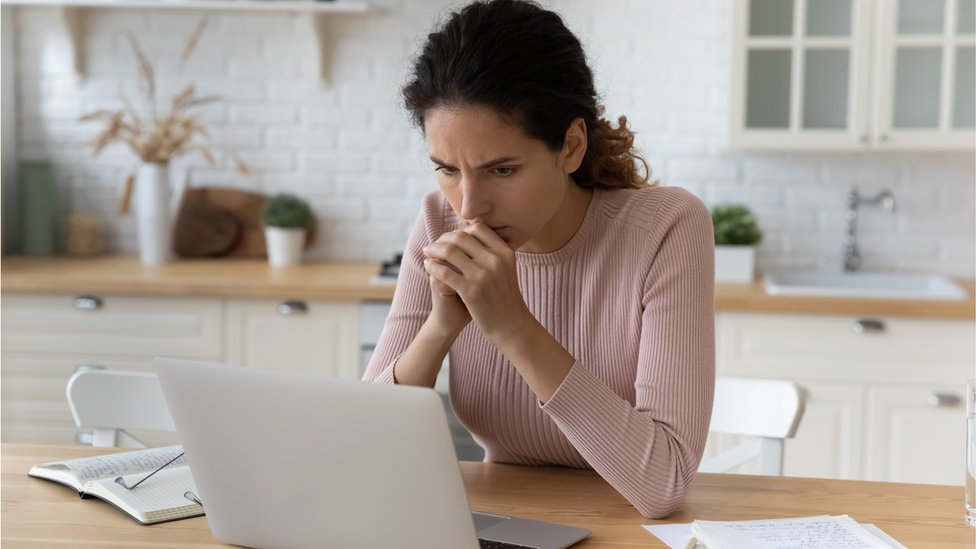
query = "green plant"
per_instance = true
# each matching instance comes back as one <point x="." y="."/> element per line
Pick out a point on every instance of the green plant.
<point x="735" y="226"/>
<point x="286" y="211"/>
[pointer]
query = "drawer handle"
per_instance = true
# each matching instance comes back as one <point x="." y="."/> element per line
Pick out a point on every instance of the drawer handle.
<point x="944" y="400"/>
<point x="868" y="326"/>
<point x="87" y="302"/>
<point x="292" y="307"/>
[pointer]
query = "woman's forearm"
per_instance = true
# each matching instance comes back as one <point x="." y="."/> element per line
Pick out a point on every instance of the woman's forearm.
<point x="421" y="362"/>
<point x="541" y="360"/>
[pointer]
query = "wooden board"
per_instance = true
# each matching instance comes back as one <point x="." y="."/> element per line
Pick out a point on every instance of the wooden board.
<point x="219" y="221"/>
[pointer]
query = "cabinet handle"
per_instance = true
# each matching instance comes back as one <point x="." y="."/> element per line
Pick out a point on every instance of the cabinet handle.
<point x="292" y="307"/>
<point x="868" y="326"/>
<point x="944" y="400"/>
<point x="883" y="138"/>
<point x="863" y="139"/>
<point x="87" y="302"/>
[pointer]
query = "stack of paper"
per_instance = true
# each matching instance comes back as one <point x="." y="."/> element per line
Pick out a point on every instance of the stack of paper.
<point x="820" y="532"/>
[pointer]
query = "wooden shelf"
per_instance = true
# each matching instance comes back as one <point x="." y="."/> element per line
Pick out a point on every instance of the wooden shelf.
<point x="72" y="14"/>
<point x="224" y="5"/>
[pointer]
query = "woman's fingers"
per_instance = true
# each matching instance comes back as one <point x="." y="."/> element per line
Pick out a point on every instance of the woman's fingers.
<point x="443" y="273"/>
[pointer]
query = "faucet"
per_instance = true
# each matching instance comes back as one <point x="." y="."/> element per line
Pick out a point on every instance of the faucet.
<point x="852" y="257"/>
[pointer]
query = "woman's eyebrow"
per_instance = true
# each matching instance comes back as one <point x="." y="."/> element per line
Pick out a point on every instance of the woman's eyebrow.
<point x="489" y="164"/>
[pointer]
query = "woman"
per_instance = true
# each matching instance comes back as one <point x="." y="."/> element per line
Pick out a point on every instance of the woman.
<point x="576" y="300"/>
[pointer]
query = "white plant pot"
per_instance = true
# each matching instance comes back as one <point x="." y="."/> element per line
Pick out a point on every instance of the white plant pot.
<point x="284" y="245"/>
<point x="735" y="263"/>
<point x="152" y="206"/>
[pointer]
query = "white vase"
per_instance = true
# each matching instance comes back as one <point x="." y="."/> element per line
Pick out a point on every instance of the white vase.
<point x="284" y="245"/>
<point x="152" y="205"/>
<point x="735" y="263"/>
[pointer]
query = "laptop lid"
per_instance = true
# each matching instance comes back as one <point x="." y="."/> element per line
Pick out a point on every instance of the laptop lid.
<point x="286" y="460"/>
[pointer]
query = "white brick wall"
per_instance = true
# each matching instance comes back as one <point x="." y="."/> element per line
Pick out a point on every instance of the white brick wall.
<point x="349" y="148"/>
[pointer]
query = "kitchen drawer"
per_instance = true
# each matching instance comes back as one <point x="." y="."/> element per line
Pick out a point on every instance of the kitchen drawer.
<point x="310" y="337"/>
<point x="118" y="325"/>
<point x="895" y="349"/>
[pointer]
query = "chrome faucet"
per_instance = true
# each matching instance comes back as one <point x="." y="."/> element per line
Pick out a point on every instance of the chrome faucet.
<point x="852" y="257"/>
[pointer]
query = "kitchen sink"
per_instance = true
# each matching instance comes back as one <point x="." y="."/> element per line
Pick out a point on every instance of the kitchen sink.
<point x="863" y="285"/>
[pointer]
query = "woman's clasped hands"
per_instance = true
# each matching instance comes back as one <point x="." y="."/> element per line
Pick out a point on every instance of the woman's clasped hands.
<point x="473" y="277"/>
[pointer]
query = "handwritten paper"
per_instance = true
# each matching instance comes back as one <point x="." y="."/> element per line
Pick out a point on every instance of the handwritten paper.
<point x="820" y="532"/>
<point x="123" y="463"/>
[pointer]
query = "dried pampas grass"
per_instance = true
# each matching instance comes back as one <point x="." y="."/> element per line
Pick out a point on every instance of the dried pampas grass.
<point x="158" y="138"/>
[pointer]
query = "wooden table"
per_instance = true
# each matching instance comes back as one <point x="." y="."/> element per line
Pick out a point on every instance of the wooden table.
<point x="38" y="513"/>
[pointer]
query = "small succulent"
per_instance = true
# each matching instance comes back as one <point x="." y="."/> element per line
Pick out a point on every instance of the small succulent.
<point x="286" y="211"/>
<point x="735" y="226"/>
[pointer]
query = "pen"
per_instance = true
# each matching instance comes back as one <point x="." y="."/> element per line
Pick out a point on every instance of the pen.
<point x="691" y="543"/>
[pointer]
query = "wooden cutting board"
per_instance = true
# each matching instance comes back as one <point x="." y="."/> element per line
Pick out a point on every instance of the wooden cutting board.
<point x="219" y="221"/>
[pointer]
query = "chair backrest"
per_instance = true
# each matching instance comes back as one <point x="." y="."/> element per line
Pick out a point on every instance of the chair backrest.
<point x="110" y="401"/>
<point x="766" y="410"/>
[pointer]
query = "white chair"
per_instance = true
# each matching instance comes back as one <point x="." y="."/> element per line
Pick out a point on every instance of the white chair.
<point x="768" y="411"/>
<point x="111" y="401"/>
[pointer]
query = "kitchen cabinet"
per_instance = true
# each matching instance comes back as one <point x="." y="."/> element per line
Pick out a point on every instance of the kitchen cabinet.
<point x="307" y="337"/>
<point x="883" y="394"/>
<point x="46" y="336"/>
<point x="919" y="434"/>
<point x="853" y="74"/>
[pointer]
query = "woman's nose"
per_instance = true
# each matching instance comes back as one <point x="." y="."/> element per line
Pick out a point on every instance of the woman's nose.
<point x="474" y="202"/>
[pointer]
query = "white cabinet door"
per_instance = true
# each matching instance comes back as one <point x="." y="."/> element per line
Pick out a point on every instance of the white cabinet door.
<point x="312" y="337"/>
<point x="918" y="434"/>
<point x="800" y="74"/>
<point x="829" y="444"/>
<point x="926" y="81"/>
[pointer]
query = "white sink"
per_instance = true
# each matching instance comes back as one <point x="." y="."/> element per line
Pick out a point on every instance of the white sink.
<point x="863" y="285"/>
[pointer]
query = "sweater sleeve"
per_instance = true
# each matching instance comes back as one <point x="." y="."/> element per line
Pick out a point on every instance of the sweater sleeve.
<point x="650" y="451"/>
<point x="411" y="299"/>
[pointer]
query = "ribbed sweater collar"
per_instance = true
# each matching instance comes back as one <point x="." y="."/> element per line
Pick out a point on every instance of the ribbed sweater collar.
<point x="569" y="250"/>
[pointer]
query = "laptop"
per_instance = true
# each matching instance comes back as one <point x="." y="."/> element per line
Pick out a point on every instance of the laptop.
<point x="294" y="461"/>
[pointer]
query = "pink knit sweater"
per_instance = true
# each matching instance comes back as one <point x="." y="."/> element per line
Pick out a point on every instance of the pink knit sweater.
<point x="631" y="297"/>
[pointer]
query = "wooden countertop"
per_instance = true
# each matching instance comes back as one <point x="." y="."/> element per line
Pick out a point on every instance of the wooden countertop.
<point x="351" y="281"/>
<point x="193" y="277"/>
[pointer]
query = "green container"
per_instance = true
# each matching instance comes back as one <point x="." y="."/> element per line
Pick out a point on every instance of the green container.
<point x="38" y="216"/>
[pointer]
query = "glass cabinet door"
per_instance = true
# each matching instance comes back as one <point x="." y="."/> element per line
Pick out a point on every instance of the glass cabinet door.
<point x="926" y="74"/>
<point x="799" y="78"/>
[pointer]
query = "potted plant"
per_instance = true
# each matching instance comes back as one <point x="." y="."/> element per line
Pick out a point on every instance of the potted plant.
<point x="736" y="236"/>
<point x="286" y="220"/>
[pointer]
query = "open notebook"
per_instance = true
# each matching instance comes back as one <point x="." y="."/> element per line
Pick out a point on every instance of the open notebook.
<point x="162" y="497"/>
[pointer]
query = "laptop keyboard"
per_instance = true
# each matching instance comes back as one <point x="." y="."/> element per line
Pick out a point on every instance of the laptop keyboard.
<point x="491" y="544"/>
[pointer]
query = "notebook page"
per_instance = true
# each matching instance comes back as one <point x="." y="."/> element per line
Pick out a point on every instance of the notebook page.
<point x="164" y="490"/>
<point x="822" y="532"/>
<point x="122" y="463"/>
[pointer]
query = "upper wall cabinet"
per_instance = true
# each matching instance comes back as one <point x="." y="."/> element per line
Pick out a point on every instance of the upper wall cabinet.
<point x="853" y="75"/>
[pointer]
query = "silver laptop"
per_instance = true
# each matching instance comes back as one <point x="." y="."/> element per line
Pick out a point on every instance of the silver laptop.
<point x="292" y="461"/>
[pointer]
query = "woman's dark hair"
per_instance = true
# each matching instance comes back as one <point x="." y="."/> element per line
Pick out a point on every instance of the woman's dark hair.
<point x="520" y="60"/>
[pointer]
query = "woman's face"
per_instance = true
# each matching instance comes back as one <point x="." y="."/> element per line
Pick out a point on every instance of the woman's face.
<point x="491" y="171"/>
